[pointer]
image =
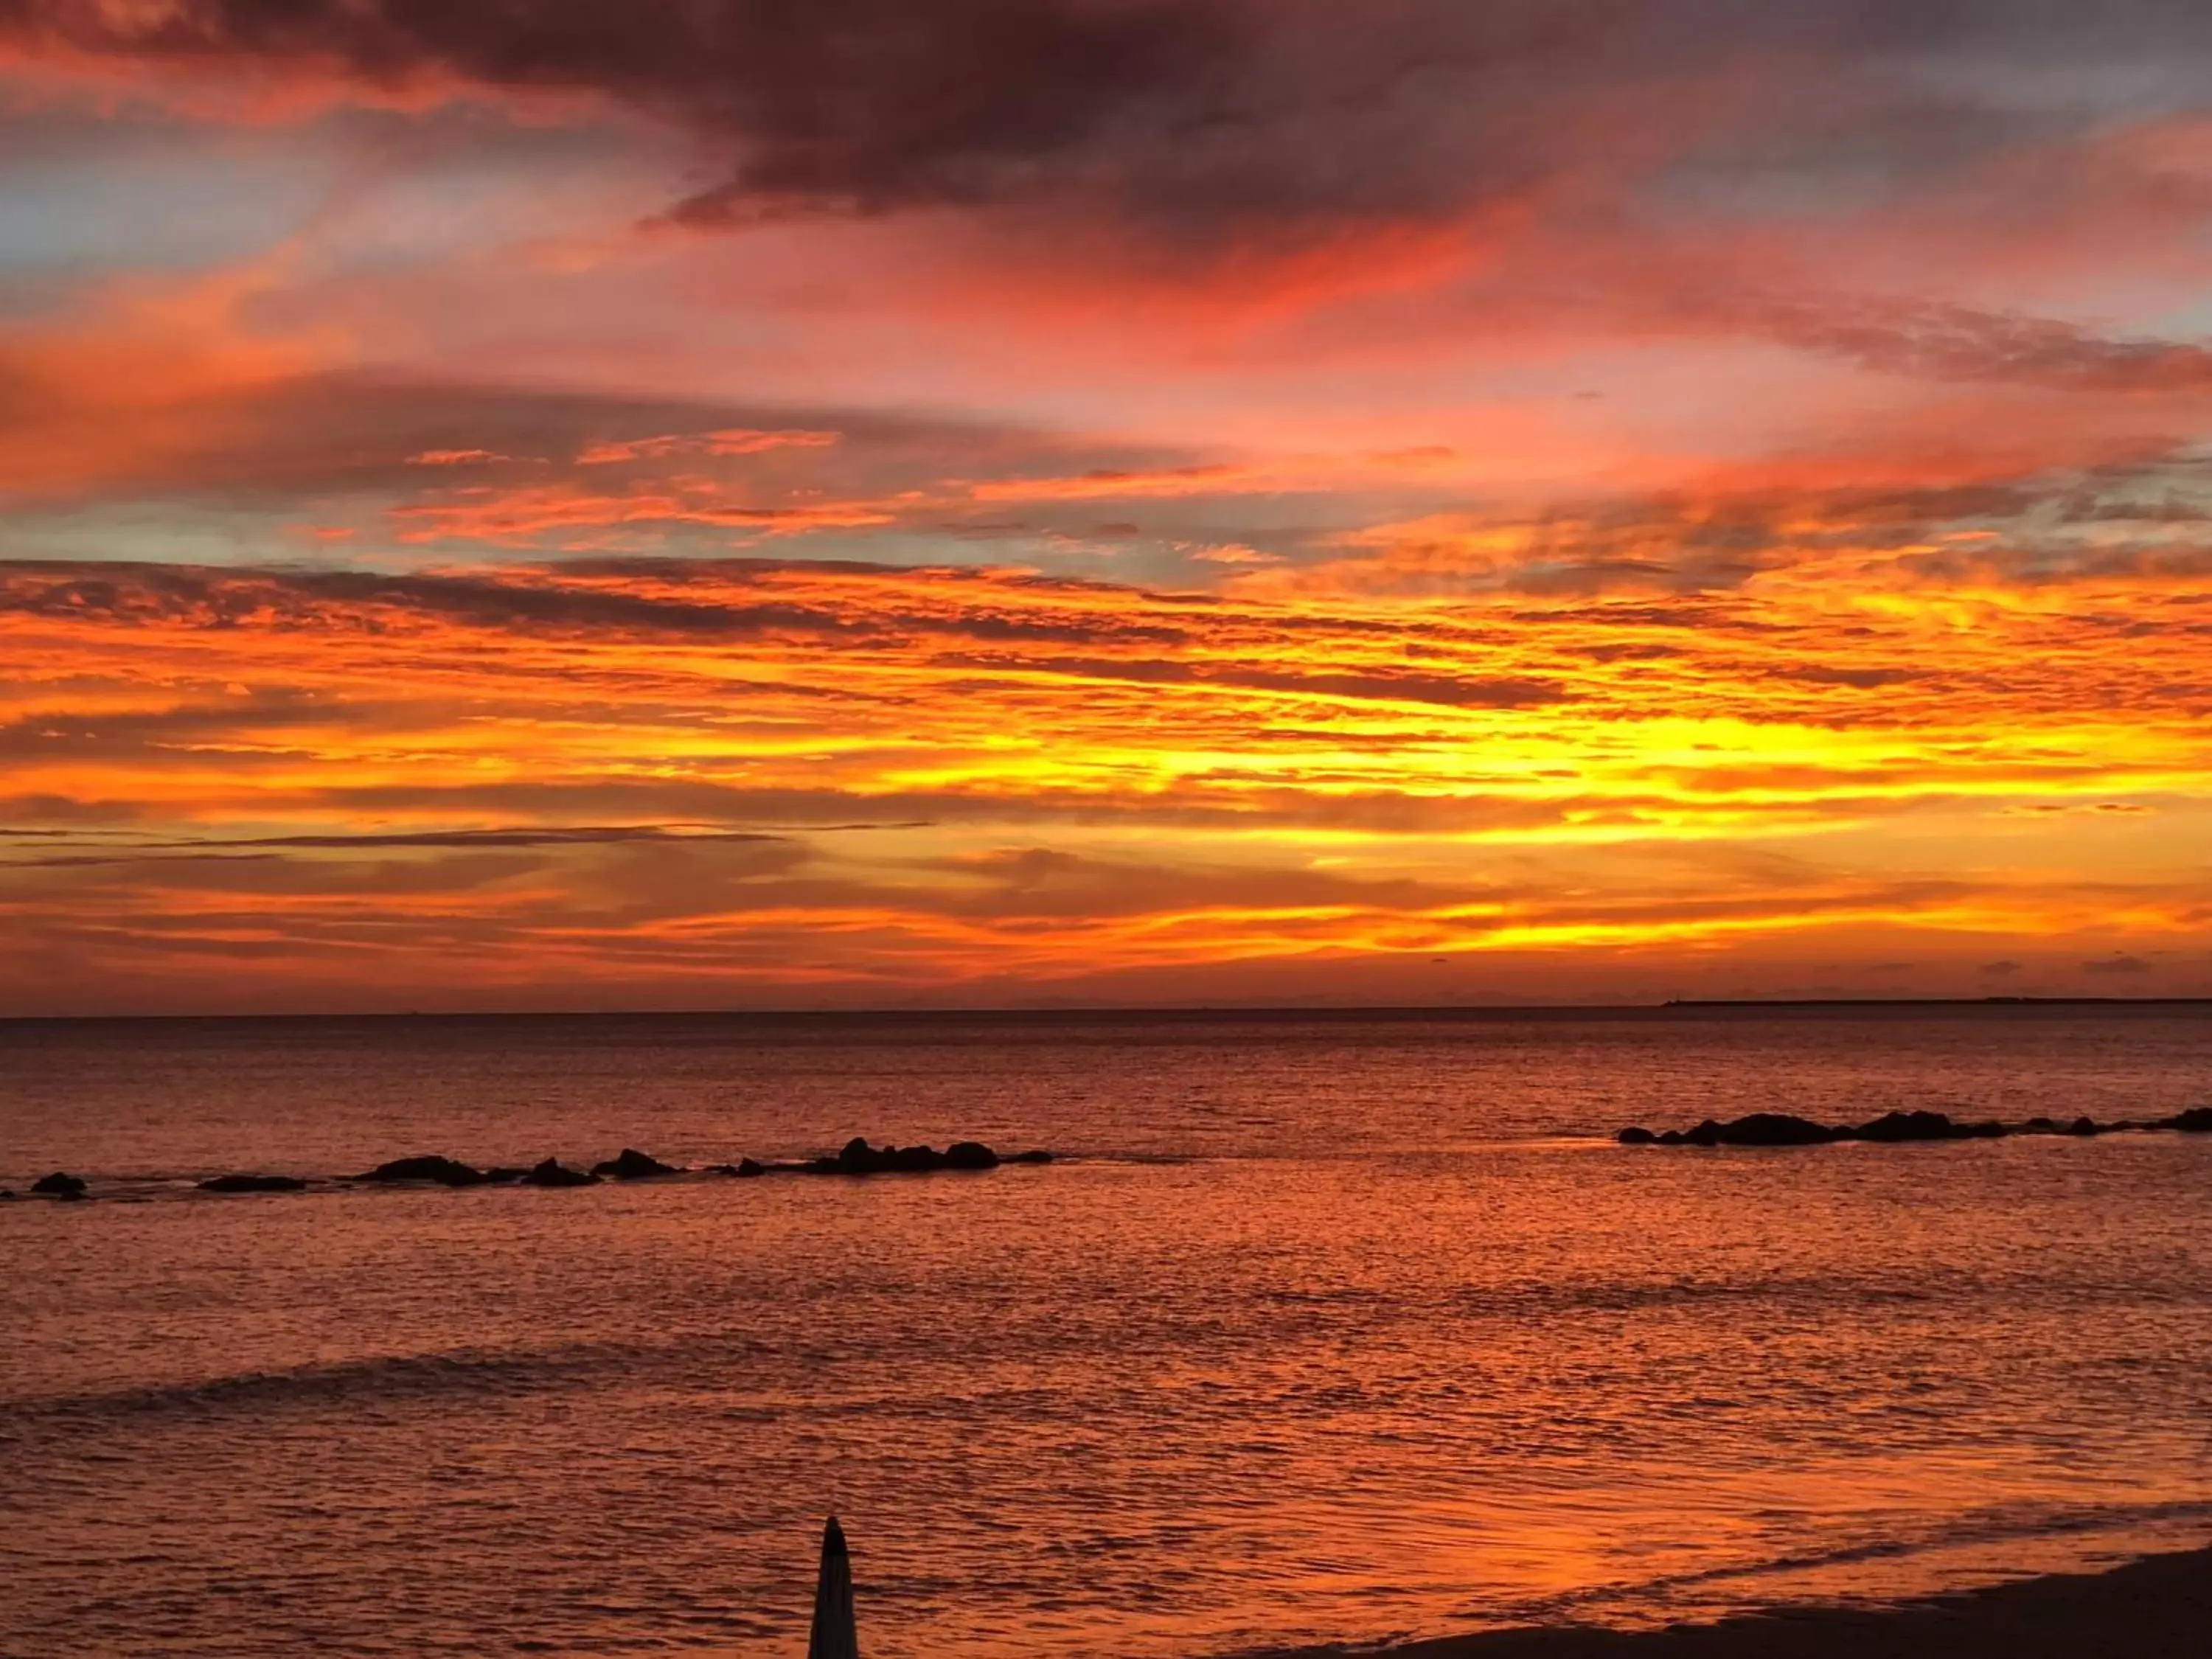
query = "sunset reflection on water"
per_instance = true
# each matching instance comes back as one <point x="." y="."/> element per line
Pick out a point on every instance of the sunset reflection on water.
<point x="1383" y="1342"/>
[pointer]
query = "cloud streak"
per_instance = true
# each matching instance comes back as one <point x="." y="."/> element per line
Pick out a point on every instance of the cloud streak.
<point x="562" y="775"/>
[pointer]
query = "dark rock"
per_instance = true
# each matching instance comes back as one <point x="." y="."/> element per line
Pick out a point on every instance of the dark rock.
<point x="1907" y="1126"/>
<point x="2040" y="1125"/>
<point x="1707" y="1133"/>
<point x="1038" y="1155"/>
<point x="60" y="1185"/>
<point x="633" y="1165"/>
<point x="970" y="1155"/>
<point x="254" y="1183"/>
<point x="554" y="1173"/>
<point x="442" y="1171"/>
<point x="915" y="1160"/>
<point x="2083" y="1128"/>
<point x="1774" y="1129"/>
<point x="1670" y="1138"/>
<point x="1635" y="1135"/>
<point x="857" y="1158"/>
<point x="74" y="1195"/>
<point x="7" y="1195"/>
<point x="2197" y="1120"/>
<point x="748" y="1168"/>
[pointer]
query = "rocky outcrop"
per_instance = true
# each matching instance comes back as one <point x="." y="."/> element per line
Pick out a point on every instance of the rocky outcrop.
<point x="634" y="1165"/>
<point x="1920" y="1126"/>
<point x="1773" y="1129"/>
<point x="437" y="1171"/>
<point x="1781" y="1129"/>
<point x="554" y="1173"/>
<point x="857" y="1158"/>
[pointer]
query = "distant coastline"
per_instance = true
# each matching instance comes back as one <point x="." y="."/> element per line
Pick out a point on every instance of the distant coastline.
<point x="1181" y="1013"/>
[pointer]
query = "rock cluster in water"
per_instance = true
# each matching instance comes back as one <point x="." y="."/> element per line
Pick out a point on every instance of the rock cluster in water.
<point x="857" y="1157"/>
<point x="554" y="1173"/>
<point x="1781" y="1129"/>
<point x="254" y="1183"/>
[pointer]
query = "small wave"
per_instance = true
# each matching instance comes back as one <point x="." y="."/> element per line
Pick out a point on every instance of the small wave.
<point x="369" y="1379"/>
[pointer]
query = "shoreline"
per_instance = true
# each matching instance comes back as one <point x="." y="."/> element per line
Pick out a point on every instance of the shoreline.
<point x="2157" y="1607"/>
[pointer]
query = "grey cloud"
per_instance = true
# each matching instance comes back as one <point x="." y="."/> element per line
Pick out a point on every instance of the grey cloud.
<point x="1200" y="118"/>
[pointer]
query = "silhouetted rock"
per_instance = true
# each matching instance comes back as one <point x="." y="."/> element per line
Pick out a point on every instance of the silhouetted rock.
<point x="2197" y="1120"/>
<point x="441" y="1171"/>
<point x="7" y="1195"/>
<point x="1774" y="1129"/>
<point x="1635" y="1135"/>
<point x="1670" y="1138"/>
<point x="1907" y="1126"/>
<point x="857" y="1158"/>
<point x="634" y="1165"/>
<point x="554" y="1173"/>
<point x="2083" y="1128"/>
<point x="1707" y="1133"/>
<point x="1037" y="1155"/>
<point x="60" y="1185"/>
<point x="2040" y="1125"/>
<point x="748" y="1167"/>
<point x="254" y="1183"/>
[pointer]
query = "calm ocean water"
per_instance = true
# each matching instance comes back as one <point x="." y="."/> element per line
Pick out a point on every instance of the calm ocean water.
<point x="1328" y="1328"/>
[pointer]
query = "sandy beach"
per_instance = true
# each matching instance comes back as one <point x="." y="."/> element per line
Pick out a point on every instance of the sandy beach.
<point x="2159" y="1608"/>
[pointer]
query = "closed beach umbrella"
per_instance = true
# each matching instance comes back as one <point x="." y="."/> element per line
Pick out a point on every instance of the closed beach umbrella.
<point x="834" y="1637"/>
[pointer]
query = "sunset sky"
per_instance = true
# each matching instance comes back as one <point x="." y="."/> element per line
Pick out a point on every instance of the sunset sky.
<point x="699" y="503"/>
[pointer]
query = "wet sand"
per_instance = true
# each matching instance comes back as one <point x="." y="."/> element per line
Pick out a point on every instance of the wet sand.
<point x="2160" y="1608"/>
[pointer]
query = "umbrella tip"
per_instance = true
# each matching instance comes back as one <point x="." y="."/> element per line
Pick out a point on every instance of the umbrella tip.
<point x="833" y="1538"/>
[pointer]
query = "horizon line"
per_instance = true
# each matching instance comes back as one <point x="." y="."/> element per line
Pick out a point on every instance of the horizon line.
<point x="1132" y="1011"/>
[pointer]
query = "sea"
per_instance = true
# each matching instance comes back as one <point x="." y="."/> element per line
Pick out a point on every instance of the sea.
<point x="1323" y="1327"/>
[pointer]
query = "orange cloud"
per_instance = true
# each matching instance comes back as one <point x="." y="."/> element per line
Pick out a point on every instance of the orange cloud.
<point x="787" y="775"/>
